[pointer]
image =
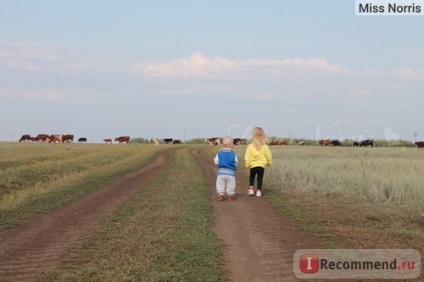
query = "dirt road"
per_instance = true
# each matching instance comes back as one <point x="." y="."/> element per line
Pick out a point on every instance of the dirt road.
<point x="259" y="242"/>
<point x="37" y="246"/>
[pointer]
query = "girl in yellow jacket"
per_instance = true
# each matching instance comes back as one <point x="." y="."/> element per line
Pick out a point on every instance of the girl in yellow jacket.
<point x="257" y="157"/>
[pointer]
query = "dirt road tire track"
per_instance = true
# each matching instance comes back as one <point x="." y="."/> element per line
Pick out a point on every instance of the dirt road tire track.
<point x="37" y="246"/>
<point x="259" y="242"/>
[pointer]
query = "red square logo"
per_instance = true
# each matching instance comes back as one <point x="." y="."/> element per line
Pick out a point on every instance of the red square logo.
<point x="309" y="263"/>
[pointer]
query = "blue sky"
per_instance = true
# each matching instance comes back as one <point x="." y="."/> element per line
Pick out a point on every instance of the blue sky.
<point x="194" y="69"/>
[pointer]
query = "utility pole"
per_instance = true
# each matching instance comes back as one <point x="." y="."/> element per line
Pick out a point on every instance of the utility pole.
<point x="415" y="136"/>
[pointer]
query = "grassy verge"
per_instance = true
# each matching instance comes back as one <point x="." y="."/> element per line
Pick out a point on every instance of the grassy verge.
<point x="36" y="178"/>
<point x="161" y="234"/>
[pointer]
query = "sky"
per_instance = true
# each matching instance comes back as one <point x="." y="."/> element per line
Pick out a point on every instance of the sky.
<point x="196" y="69"/>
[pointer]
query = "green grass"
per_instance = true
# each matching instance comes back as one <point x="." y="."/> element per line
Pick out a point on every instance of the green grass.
<point x="42" y="177"/>
<point x="162" y="234"/>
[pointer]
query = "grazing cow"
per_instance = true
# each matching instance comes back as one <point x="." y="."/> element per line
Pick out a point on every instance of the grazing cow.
<point x="325" y="142"/>
<point x="41" y="137"/>
<point x="176" y="141"/>
<point x="168" y="140"/>
<point x="279" y="142"/>
<point x="123" y="139"/>
<point x="239" y="141"/>
<point x="420" y="144"/>
<point x="25" y="137"/>
<point x="336" y="142"/>
<point x="367" y="142"/>
<point x="213" y="141"/>
<point x="107" y="140"/>
<point x="154" y="141"/>
<point x="55" y="138"/>
<point x="356" y="144"/>
<point x="82" y="139"/>
<point x="68" y="138"/>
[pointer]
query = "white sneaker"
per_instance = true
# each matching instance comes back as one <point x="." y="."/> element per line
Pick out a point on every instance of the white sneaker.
<point x="258" y="193"/>
<point x="250" y="192"/>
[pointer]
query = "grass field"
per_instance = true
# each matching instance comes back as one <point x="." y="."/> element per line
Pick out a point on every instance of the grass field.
<point x="160" y="235"/>
<point x="41" y="177"/>
<point x="349" y="197"/>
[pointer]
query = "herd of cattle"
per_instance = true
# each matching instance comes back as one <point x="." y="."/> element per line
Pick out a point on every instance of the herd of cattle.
<point x="54" y="138"/>
<point x="65" y="138"/>
<point x="335" y="142"/>
<point x="68" y="138"/>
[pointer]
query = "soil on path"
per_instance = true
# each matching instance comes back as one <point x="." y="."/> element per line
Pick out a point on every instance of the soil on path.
<point x="37" y="246"/>
<point x="259" y="242"/>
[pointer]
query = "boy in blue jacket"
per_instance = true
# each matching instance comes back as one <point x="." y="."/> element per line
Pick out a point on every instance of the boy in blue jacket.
<point x="226" y="161"/>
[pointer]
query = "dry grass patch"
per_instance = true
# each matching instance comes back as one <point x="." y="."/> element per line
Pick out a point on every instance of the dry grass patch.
<point x="352" y="197"/>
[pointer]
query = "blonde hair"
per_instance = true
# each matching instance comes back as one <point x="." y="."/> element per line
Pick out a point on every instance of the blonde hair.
<point x="258" y="137"/>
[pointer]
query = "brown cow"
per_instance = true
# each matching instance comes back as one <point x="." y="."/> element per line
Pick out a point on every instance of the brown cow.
<point x="41" y="137"/>
<point x="25" y="137"/>
<point x="55" y="138"/>
<point x="123" y="139"/>
<point x="107" y="140"/>
<point x="325" y="142"/>
<point x="67" y="138"/>
<point x="213" y="141"/>
<point x="279" y="142"/>
<point x="176" y="141"/>
<point x="239" y="141"/>
<point x="419" y="144"/>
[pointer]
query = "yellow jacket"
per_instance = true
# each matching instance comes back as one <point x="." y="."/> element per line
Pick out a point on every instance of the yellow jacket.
<point x="254" y="157"/>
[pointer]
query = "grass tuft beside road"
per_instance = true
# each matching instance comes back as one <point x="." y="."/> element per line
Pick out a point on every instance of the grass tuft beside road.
<point x="162" y="234"/>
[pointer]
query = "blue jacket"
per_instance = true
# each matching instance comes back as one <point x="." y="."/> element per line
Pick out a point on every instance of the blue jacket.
<point x="226" y="161"/>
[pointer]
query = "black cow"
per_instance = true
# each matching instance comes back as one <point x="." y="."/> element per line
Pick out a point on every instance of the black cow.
<point x="356" y="144"/>
<point x="82" y="139"/>
<point x="168" y="140"/>
<point x="336" y="142"/>
<point x="367" y="142"/>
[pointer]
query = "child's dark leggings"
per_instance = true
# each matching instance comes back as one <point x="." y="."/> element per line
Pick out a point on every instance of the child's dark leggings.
<point x="259" y="172"/>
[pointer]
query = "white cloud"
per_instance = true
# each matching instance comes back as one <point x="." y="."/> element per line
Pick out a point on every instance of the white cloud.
<point x="198" y="65"/>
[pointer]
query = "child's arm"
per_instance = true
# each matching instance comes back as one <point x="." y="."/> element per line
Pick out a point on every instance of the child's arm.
<point x="216" y="159"/>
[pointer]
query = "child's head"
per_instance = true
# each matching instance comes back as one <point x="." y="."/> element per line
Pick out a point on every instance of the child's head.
<point x="258" y="137"/>
<point x="227" y="142"/>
